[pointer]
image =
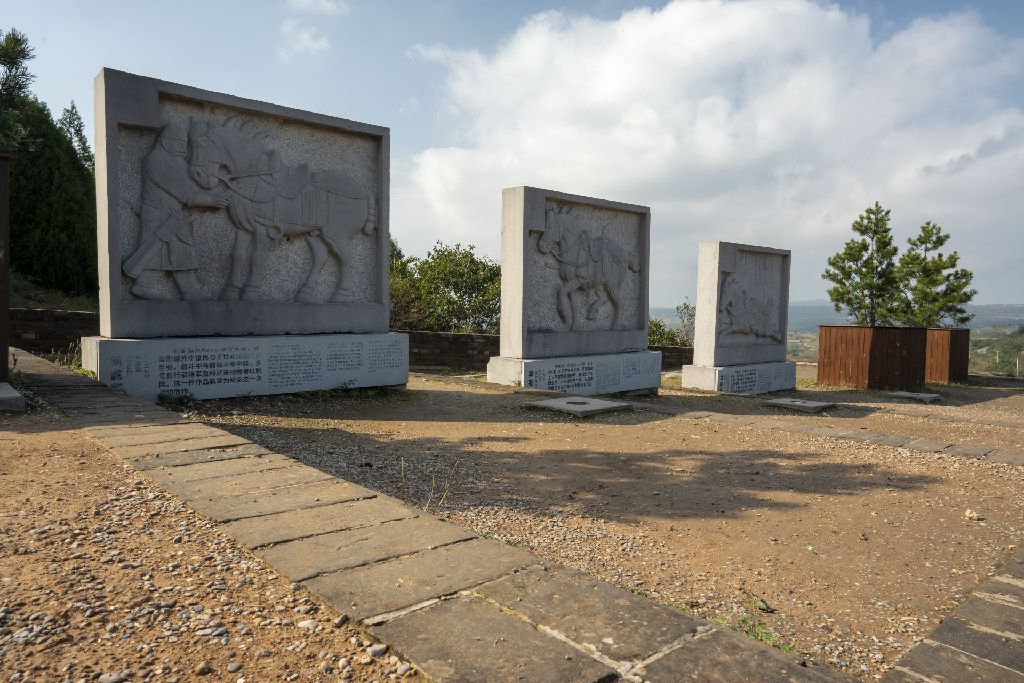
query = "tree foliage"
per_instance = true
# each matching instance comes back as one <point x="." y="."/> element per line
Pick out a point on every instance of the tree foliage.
<point x="864" y="274"/>
<point x="934" y="290"/>
<point x="924" y="288"/>
<point x="452" y="289"/>
<point x="687" y="313"/>
<point x="53" y="202"/>
<point x="660" y="334"/>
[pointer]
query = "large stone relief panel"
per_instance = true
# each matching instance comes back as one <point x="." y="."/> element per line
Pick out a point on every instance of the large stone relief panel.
<point x="219" y="204"/>
<point x="750" y="300"/>
<point x="583" y="270"/>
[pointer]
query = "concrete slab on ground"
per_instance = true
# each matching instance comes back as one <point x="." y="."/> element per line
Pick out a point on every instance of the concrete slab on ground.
<point x="580" y="406"/>
<point x="800" y="404"/>
<point x="294" y="524"/>
<point x="154" y="436"/>
<point x="966" y="451"/>
<point x="316" y="555"/>
<point x="931" y="661"/>
<point x="990" y="615"/>
<point x="714" y="658"/>
<point x="594" y="614"/>
<point x="246" y="450"/>
<point x="317" y="494"/>
<point x="385" y="587"/>
<point x="219" y="441"/>
<point x="11" y="400"/>
<point x="467" y="639"/>
<point x="248" y="482"/>
<point x="918" y="396"/>
<point x="992" y="646"/>
<point x="219" y="468"/>
<point x="103" y="431"/>
<point x="1007" y="456"/>
<point x="928" y="445"/>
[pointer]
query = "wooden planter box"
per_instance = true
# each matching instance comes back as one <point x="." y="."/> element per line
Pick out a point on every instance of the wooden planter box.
<point x="947" y="355"/>
<point x="872" y="357"/>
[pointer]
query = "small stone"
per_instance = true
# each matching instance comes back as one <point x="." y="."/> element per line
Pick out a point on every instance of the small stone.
<point x="234" y="667"/>
<point x="341" y="621"/>
<point x="111" y="678"/>
<point x="311" y="624"/>
<point x="263" y="653"/>
<point x="376" y="650"/>
<point x="973" y="516"/>
<point x="203" y="669"/>
<point x="403" y="669"/>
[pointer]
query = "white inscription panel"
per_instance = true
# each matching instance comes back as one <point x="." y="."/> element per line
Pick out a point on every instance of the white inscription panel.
<point x="222" y="367"/>
<point x="581" y="375"/>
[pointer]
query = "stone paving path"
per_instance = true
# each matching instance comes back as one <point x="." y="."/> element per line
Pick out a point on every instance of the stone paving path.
<point x="459" y="606"/>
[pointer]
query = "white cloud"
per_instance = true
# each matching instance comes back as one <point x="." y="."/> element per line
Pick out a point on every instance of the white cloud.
<point x="299" y="39"/>
<point x="320" y="6"/>
<point x="765" y="122"/>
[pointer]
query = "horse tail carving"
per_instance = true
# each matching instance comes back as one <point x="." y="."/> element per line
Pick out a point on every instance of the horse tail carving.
<point x="370" y="226"/>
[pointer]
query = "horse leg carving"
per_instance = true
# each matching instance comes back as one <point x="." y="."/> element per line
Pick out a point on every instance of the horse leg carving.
<point x="342" y="291"/>
<point x="565" y="303"/>
<point x="613" y="297"/>
<point x="239" y="256"/>
<point x="318" y="250"/>
<point x="259" y="257"/>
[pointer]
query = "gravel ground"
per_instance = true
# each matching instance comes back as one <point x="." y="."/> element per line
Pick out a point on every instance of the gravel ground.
<point x="105" y="577"/>
<point x="844" y="552"/>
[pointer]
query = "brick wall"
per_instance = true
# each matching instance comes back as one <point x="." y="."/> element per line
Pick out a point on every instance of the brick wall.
<point x="44" y="331"/>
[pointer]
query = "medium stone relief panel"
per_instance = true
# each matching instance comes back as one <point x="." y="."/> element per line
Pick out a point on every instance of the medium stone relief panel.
<point x="583" y="270"/>
<point x="749" y="301"/>
<point x="220" y="204"/>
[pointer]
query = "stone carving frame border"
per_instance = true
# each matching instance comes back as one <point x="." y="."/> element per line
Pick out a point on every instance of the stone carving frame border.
<point x="124" y="99"/>
<point x="713" y="259"/>
<point x="522" y="210"/>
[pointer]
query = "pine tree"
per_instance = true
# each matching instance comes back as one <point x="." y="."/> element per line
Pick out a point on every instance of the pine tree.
<point x="71" y="123"/>
<point x="864" y="275"/>
<point x="933" y="289"/>
<point x="15" y="79"/>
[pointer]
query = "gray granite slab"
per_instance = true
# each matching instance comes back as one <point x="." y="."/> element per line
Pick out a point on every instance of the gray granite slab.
<point x="184" y="433"/>
<point x="287" y="526"/>
<point x="1005" y="618"/>
<point x="927" y="445"/>
<point x="968" y="451"/>
<point x="594" y="614"/>
<point x="228" y="508"/>
<point x="178" y="446"/>
<point x="995" y="648"/>
<point x="931" y="661"/>
<point x="920" y="397"/>
<point x="467" y="640"/>
<point x="245" y="450"/>
<point x="388" y="586"/>
<point x="580" y="406"/>
<point x="1008" y="456"/>
<point x="11" y="400"/>
<point x="219" y="468"/>
<point x="309" y="557"/>
<point x="800" y="404"/>
<point x="248" y="482"/>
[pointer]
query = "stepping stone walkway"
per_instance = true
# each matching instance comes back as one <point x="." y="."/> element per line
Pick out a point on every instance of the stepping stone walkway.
<point x="580" y="406"/>
<point x="459" y="606"/>
<point x="916" y="396"/>
<point x="799" y="404"/>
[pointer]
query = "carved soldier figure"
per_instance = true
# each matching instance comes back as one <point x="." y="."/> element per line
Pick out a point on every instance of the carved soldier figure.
<point x="165" y="240"/>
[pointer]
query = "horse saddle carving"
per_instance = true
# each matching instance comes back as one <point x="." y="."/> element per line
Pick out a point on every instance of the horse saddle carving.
<point x="295" y="181"/>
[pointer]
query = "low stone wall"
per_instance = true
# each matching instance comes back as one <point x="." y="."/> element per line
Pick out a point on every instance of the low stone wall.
<point x="48" y="331"/>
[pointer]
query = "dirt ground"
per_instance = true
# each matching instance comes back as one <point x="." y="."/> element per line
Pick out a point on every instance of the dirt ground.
<point x="845" y="552"/>
<point x="103" y="576"/>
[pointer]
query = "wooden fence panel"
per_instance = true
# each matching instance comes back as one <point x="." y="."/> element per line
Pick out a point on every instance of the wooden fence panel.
<point x="871" y="357"/>
<point x="947" y="356"/>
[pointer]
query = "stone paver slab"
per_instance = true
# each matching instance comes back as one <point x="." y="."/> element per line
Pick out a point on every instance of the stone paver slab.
<point x="103" y="431"/>
<point x="1003" y="618"/>
<point x="928" y="445"/>
<point x="309" y="557"/>
<point x="1003" y="589"/>
<point x="969" y="451"/>
<point x="1007" y="456"/>
<point x="861" y="435"/>
<point x="161" y="436"/>
<point x="388" y="586"/>
<point x="890" y="440"/>
<point x="937" y="662"/>
<point x="147" y="418"/>
<point x="219" y="468"/>
<point x="228" y="508"/>
<point x="193" y="457"/>
<point x="580" y="406"/>
<point x="919" y="396"/>
<point x="469" y="641"/>
<point x="800" y="404"/>
<point x="249" y="482"/>
<point x="219" y="441"/>
<point x="288" y="526"/>
<point x="1002" y="651"/>
<point x="11" y="400"/>
<point x="593" y="613"/>
<point x="723" y="657"/>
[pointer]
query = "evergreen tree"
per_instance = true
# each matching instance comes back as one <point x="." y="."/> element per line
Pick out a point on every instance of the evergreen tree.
<point x="934" y="289"/>
<point x="70" y="123"/>
<point x="15" y="79"/>
<point x="864" y="274"/>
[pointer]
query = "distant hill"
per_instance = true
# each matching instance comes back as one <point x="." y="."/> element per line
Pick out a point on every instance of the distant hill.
<point x="805" y="316"/>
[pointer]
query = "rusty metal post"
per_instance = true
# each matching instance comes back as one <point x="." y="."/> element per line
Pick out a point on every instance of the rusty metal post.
<point x="5" y="265"/>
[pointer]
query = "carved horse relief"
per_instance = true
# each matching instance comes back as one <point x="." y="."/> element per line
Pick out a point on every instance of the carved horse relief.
<point x="593" y="266"/>
<point x="269" y="201"/>
<point x="743" y="315"/>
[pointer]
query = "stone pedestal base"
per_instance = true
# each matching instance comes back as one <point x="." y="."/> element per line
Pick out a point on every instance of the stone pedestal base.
<point x="580" y="375"/>
<point x="224" y="367"/>
<point x="756" y="378"/>
<point x="11" y="400"/>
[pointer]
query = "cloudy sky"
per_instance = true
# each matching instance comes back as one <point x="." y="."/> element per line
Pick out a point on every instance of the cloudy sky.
<point x="771" y="122"/>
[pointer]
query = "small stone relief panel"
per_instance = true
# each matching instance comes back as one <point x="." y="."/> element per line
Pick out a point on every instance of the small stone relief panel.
<point x="583" y="270"/>
<point x="750" y="299"/>
<point x="220" y="204"/>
